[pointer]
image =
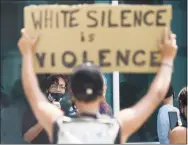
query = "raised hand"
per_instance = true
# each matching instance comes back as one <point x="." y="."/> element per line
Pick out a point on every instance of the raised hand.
<point x="167" y="44"/>
<point x="27" y="43"/>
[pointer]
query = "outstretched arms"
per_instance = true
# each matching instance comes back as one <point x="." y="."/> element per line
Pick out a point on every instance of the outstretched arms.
<point x="132" y="119"/>
<point x="44" y="111"/>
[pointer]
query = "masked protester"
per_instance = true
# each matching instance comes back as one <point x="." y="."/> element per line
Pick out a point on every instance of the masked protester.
<point x="55" y="88"/>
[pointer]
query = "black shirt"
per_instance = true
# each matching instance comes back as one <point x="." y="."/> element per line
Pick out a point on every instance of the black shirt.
<point x="29" y="121"/>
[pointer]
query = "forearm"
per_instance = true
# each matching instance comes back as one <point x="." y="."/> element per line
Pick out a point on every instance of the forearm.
<point x="156" y="92"/>
<point x="33" y="93"/>
<point x="33" y="132"/>
<point x="30" y="83"/>
<point x="141" y="111"/>
<point x="161" y="82"/>
<point x="44" y="111"/>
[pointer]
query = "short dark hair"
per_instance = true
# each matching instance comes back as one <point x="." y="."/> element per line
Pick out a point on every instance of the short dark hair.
<point x="87" y="82"/>
<point x="170" y="92"/>
<point x="54" y="78"/>
<point x="182" y="97"/>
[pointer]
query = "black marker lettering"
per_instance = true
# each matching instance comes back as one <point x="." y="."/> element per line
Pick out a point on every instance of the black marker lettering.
<point x="57" y="20"/>
<point x="73" y="61"/>
<point x="102" y="56"/>
<point x="137" y="18"/>
<point x="95" y="24"/>
<point x="48" y="18"/>
<point x="37" y="22"/>
<point x="73" y="18"/>
<point x="103" y="18"/>
<point x="146" y="17"/>
<point x="159" y="17"/>
<point x="64" y="12"/>
<point x="124" y="17"/>
<point x="85" y="58"/>
<point x="53" y="59"/>
<point x="40" y="58"/>
<point x="141" y="63"/>
<point x="110" y="24"/>
<point x="153" y="62"/>
<point x="122" y="58"/>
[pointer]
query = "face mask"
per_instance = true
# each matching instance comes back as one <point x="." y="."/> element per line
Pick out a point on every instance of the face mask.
<point x="55" y="96"/>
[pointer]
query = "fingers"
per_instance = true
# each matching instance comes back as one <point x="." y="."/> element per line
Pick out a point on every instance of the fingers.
<point x="173" y="40"/>
<point x="167" y="38"/>
<point x="173" y="36"/>
<point x="26" y="35"/>
<point x="36" y="38"/>
<point x="159" y="42"/>
<point x="167" y="34"/>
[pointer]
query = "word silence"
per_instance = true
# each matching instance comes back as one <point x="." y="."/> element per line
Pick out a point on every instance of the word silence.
<point x="117" y="38"/>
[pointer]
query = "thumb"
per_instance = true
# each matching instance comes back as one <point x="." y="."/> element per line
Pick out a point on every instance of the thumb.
<point x="167" y="34"/>
<point x="36" y="38"/>
<point x="159" y="42"/>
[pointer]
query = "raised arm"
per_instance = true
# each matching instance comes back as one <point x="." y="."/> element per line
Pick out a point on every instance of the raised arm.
<point x="43" y="110"/>
<point x="132" y="119"/>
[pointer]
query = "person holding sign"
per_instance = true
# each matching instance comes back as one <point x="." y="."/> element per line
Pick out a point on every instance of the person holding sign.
<point x="87" y="87"/>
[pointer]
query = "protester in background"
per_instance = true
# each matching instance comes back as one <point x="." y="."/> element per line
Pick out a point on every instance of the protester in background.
<point x="87" y="87"/>
<point x="54" y="87"/>
<point x="182" y="100"/>
<point x="163" y="125"/>
<point x="179" y="134"/>
<point x="105" y="108"/>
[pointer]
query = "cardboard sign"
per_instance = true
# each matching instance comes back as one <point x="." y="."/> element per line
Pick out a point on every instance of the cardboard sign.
<point x="118" y="38"/>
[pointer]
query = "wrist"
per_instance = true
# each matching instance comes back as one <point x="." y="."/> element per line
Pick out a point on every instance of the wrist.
<point x="27" y="52"/>
<point x="169" y="61"/>
<point x="27" y="55"/>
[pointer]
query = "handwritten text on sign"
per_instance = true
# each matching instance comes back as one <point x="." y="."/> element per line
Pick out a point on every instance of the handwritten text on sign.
<point x="118" y="38"/>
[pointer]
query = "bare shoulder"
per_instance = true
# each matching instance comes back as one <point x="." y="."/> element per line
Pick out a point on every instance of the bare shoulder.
<point x="179" y="129"/>
<point x="178" y="135"/>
